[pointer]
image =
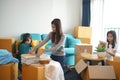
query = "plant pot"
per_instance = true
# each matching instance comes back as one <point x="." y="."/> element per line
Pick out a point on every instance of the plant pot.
<point x="101" y="54"/>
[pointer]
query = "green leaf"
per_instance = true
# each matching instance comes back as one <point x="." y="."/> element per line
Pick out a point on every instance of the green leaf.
<point x="100" y="49"/>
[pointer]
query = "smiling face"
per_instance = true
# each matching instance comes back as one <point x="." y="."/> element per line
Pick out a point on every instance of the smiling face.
<point x="110" y="37"/>
<point x="53" y="28"/>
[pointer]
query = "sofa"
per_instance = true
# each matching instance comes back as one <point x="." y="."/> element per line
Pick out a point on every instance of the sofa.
<point x="69" y="45"/>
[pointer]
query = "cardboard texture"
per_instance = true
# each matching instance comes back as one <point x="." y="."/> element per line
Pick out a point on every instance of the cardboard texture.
<point x="95" y="72"/>
<point x="9" y="71"/>
<point x="7" y="43"/>
<point x="84" y="33"/>
<point x="80" y="66"/>
<point x="116" y="64"/>
<point x="101" y="72"/>
<point x="82" y="48"/>
<point x="33" y="72"/>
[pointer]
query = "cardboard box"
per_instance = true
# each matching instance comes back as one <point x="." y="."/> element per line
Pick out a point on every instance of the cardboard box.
<point x="95" y="72"/>
<point x="82" y="48"/>
<point x="84" y="33"/>
<point x="33" y="72"/>
<point x="7" y="43"/>
<point x="116" y="64"/>
<point x="9" y="71"/>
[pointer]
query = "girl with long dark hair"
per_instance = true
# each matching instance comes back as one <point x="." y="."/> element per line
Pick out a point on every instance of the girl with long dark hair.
<point x="111" y="44"/>
<point x="57" y="37"/>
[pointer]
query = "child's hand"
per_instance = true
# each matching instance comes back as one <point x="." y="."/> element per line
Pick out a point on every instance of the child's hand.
<point x="31" y="51"/>
<point x="17" y="51"/>
<point x="112" y="53"/>
<point x="102" y="43"/>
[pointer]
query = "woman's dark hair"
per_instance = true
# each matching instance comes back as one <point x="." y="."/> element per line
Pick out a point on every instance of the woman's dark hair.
<point x="56" y="36"/>
<point x="26" y="37"/>
<point x="114" y="38"/>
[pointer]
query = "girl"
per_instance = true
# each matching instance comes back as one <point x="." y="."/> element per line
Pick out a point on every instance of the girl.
<point x="57" y="37"/>
<point x="111" y="46"/>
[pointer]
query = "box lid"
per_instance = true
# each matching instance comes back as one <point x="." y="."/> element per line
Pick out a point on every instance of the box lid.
<point x="80" y="66"/>
<point x="101" y="72"/>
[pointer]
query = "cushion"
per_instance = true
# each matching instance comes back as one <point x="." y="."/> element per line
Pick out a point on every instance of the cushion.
<point x="69" y="51"/>
<point x="36" y="42"/>
<point x="18" y="42"/>
<point x="71" y="41"/>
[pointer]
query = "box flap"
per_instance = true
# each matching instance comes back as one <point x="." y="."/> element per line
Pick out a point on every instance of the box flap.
<point x="80" y="66"/>
<point x="101" y="72"/>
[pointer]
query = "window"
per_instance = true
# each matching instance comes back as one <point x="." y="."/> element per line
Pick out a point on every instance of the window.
<point x="105" y="16"/>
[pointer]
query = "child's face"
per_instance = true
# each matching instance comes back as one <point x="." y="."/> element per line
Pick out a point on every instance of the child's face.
<point x="110" y="37"/>
<point x="29" y="41"/>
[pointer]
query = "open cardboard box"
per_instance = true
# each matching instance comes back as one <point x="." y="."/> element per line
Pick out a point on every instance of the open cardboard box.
<point x="95" y="72"/>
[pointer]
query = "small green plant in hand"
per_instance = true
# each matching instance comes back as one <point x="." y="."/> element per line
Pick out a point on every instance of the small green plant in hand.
<point x="100" y="49"/>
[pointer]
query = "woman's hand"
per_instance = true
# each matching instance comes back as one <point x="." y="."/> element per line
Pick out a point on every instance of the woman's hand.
<point x="40" y="52"/>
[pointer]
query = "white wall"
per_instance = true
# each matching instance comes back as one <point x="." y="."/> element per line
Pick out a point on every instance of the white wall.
<point x="35" y="16"/>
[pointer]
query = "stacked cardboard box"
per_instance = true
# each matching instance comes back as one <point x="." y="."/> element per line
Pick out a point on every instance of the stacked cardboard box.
<point x="82" y="48"/>
<point x="95" y="72"/>
<point x="7" y="43"/>
<point x="9" y="71"/>
<point x="33" y="72"/>
<point x="84" y="33"/>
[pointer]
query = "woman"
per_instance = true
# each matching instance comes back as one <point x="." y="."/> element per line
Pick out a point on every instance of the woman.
<point x="57" y="37"/>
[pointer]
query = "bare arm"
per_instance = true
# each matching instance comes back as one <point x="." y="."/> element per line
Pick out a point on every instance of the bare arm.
<point x="112" y="53"/>
<point x="41" y="43"/>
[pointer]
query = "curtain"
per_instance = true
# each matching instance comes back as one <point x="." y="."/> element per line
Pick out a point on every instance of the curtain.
<point x="86" y="13"/>
<point x="97" y="22"/>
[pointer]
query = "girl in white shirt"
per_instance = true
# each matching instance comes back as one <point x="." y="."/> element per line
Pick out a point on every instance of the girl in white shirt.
<point x="111" y="46"/>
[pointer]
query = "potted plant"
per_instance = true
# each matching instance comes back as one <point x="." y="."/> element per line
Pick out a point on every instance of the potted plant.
<point x="101" y="51"/>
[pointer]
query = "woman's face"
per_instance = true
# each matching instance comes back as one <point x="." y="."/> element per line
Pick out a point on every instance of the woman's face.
<point x="110" y="37"/>
<point x="53" y="28"/>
